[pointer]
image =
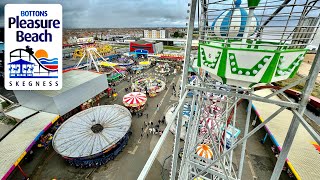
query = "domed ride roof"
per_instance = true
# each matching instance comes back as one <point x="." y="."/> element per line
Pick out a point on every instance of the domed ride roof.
<point x="92" y="131"/>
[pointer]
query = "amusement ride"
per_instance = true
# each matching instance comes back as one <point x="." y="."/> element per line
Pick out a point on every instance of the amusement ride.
<point x="148" y="83"/>
<point x="103" y="49"/>
<point x="95" y="61"/>
<point x="242" y="44"/>
<point x="162" y="68"/>
<point x="94" y="136"/>
<point x="135" y="101"/>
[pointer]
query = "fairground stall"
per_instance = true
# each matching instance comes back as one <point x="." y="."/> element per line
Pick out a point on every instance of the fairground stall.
<point x="135" y="101"/>
<point x="149" y="83"/>
<point x="175" y="60"/>
<point x="93" y="137"/>
<point x="170" y="58"/>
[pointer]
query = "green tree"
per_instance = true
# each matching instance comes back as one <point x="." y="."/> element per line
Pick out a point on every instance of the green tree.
<point x="176" y="34"/>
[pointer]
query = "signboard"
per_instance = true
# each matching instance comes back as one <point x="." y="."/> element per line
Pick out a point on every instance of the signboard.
<point x="33" y="48"/>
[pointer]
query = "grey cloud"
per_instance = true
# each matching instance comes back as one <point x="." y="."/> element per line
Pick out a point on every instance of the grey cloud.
<point x="121" y="13"/>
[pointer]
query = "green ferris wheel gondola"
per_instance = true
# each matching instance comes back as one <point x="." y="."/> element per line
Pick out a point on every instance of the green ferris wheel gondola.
<point x="236" y="53"/>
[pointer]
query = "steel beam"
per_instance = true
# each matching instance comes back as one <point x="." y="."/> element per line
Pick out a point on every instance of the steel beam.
<point x="188" y="46"/>
<point x="188" y="133"/>
<point x="216" y="173"/>
<point x="307" y="126"/>
<point x="248" y="135"/>
<point x="176" y="146"/>
<point x="244" y="144"/>
<point x="244" y="96"/>
<point x="287" y="87"/>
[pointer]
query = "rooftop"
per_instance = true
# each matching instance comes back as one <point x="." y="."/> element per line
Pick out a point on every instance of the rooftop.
<point x="71" y="79"/>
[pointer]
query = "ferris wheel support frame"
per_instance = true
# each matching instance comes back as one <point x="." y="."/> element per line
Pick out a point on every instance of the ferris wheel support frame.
<point x="187" y="55"/>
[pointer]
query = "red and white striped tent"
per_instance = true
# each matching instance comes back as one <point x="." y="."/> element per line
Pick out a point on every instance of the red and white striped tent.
<point x="134" y="99"/>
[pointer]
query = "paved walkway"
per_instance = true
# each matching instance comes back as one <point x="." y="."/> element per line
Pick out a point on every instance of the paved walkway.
<point x="304" y="70"/>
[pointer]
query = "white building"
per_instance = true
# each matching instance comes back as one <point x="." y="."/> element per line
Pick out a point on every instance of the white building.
<point x="155" y="33"/>
<point x="146" y="34"/>
<point x="163" y="34"/>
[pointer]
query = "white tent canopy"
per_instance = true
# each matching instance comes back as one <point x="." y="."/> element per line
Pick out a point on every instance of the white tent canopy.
<point x="92" y="131"/>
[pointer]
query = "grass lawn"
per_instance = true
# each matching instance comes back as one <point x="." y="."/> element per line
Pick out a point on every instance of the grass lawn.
<point x="120" y="46"/>
<point x="172" y="47"/>
<point x="299" y="87"/>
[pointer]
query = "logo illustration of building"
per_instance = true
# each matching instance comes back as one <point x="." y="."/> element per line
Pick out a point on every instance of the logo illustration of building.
<point x="25" y="63"/>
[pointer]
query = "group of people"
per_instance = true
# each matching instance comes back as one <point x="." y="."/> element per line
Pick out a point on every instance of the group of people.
<point x="140" y="114"/>
<point x="153" y="128"/>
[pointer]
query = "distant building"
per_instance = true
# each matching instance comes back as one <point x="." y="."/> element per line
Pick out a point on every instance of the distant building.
<point x="72" y="40"/>
<point x="155" y="33"/>
<point x="85" y="40"/>
<point x="149" y="48"/>
<point x="75" y="40"/>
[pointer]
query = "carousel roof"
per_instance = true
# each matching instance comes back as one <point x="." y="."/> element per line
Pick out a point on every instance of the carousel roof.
<point x="134" y="99"/>
<point x="92" y="131"/>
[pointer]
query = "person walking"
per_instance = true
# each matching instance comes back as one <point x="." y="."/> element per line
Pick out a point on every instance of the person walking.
<point x="147" y="115"/>
<point x="159" y="121"/>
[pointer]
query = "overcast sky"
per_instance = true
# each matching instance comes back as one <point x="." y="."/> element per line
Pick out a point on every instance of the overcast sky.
<point x="116" y="13"/>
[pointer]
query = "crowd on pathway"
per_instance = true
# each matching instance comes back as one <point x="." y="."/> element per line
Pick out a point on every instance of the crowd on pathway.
<point x="152" y="128"/>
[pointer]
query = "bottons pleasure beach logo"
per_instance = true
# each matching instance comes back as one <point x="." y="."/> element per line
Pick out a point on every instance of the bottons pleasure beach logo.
<point x="33" y="46"/>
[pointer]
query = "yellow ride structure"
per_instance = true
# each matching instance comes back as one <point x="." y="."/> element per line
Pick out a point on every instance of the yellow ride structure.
<point x="103" y="49"/>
